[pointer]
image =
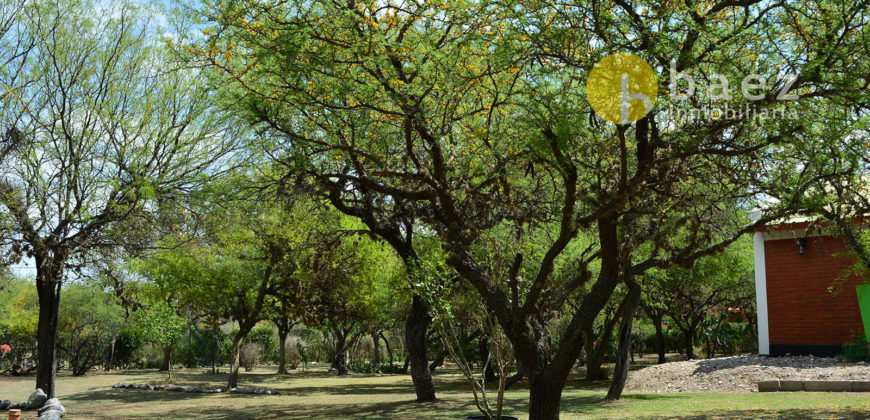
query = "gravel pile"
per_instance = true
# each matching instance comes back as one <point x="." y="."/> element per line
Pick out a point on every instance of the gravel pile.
<point x="741" y="373"/>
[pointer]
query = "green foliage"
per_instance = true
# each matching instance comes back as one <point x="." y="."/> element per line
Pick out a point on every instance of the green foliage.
<point x="360" y="365"/>
<point x="855" y="350"/>
<point x="88" y="319"/>
<point x="18" y="318"/>
<point x="128" y="348"/>
<point x="264" y="337"/>
<point x="158" y="323"/>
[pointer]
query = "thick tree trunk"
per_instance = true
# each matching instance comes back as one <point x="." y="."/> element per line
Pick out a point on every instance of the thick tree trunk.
<point x="594" y="360"/>
<point x="167" y="359"/>
<point x="545" y="396"/>
<point x="339" y="357"/>
<point x="48" y="290"/>
<point x="660" y="338"/>
<point x="234" y="358"/>
<point x="282" y="351"/>
<point x="415" y="337"/>
<point x="620" y="371"/>
<point x="689" y="338"/>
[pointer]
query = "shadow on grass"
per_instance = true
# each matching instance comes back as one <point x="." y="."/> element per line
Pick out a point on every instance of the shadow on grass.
<point x="796" y="414"/>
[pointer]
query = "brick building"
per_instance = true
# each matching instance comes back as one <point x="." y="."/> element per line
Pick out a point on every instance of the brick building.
<point x="795" y="265"/>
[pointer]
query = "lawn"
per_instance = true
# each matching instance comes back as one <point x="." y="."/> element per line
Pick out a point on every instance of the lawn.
<point x="317" y="394"/>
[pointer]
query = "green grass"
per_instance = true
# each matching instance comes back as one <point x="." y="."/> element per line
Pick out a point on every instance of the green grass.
<point x="317" y="394"/>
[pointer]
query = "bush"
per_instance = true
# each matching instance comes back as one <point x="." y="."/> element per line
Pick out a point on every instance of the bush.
<point x="265" y="337"/>
<point x="361" y="366"/>
<point x="249" y="357"/>
<point x="294" y="352"/>
<point x="205" y="348"/>
<point x="128" y="345"/>
<point x="855" y="350"/>
<point x="87" y="321"/>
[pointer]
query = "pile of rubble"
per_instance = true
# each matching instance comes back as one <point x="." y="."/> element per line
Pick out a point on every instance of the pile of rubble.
<point x="741" y="373"/>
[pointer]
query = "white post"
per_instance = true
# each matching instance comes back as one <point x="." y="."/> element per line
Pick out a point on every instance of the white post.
<point x="761" y="294"/>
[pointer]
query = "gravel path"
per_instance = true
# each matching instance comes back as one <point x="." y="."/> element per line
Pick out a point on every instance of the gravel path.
<point x="741" y="373"/>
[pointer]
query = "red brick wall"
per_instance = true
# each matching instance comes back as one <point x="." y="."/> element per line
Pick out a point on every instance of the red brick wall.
<point x="800" y="309"/>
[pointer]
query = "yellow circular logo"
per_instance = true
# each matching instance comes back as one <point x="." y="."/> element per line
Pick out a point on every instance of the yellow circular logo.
<point x="622" y="88"/>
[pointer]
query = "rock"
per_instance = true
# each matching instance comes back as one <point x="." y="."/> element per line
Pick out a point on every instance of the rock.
<point x="50" y="416"/>
<point x="157" y="387"/>
<point x="117" y="386"/>
<point x="51" y="413"/>
<point x="4" y="404"/>
<point x="175" y="388"/>
<point x="52" y="404"/>
<point x="147" y="386"/>
<point x="36" y="399"/>
<point x="17" y="406"/>
<point x="193" y="389"/>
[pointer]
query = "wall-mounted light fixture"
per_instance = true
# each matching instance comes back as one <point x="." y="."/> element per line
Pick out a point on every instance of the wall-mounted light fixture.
<point x="801" y="245"/>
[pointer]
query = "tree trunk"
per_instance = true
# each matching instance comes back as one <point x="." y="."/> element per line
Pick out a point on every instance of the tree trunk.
<point x="660" y="337"/>
<point x="439" y="360"/>
<point x="689" y="337"/>
<point x="376" y="352"/>
<point x="545" y="395"/>
<point x="234" y="360"/>
<point x="111" y="355"/>
<point x="594" y="359"/>
<point x="516" y="377"/>
<point x="167" y="359"/>
<point x="620" y="371"/>
<point x="282" y="351"/>
<point x="415" y="336"/>
<point x="48" y="290"/>
<point x="389" y="349"/>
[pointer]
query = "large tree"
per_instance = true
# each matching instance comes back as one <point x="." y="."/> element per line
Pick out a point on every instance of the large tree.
<point x="469" y="117"/>
<point x="104" y="128"/>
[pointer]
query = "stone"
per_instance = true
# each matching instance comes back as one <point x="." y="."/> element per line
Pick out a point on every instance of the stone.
<point x="175" y="388"/>
<point x="146" y="386"/>
<point x="36" y="399"/>
<point x="192" y="389"/>
<point x="49" y="413"/>
<point x="768" y="386"/>
<point x="4" y="404"/>
<point x="17" y="406"/>
<point x="791" y="385"/>
<point x="118" y="386"/>
<point x="52" y="404"/>
<point x="828" y="386"/>
<point x="50" y="416"/>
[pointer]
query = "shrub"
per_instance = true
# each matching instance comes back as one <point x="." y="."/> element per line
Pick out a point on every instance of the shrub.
<point x="265" y="337"/>
<point x="855" y="350"/>
<point x="128" y="344"/>
<point x="250" y="356"/>
<point x="293" y="353"/>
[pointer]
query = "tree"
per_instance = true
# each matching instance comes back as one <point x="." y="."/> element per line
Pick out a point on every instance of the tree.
<point x="468" y="118"/>
<point x="713" y="283"/>
<point x="89" y="318"/>
<point x="105" y="127"/>
<point x="158" y="323"/>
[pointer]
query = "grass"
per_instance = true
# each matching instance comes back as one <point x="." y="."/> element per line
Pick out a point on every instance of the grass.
<point x="317" y="394"/>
